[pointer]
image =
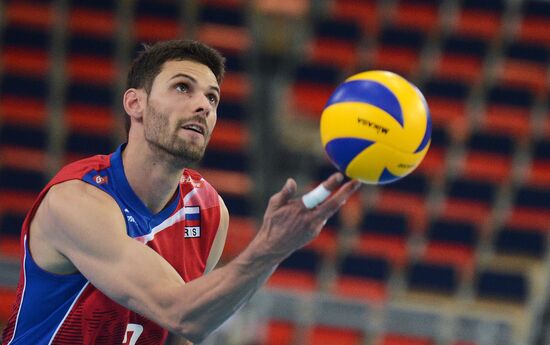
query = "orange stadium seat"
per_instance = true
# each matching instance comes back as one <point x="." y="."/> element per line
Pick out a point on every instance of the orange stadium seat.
<point x="384" y="234"/>
<point x="469" y="200"/>
<point x="157" y="20"/>
<point x="401" y="339"/>
<point x="297" y="272"/>
<point x="446" y="99"/>
<point x="364" y="13"/>
<point x="433" y="164"/>
<point x="533" y="26"/>
<point x="96" y="18"/>
<point x="224" y="28"/>
<point x="417" y="14"/>
<point x="525" y="66"/>
<point x="530" y="208"/>
<point x="312" y="87"/>
<point x="330" y="335"/>
<point x="498" y="149"/>
<point x="461" y="59"/>
<point x="279" y="333"/>
<point x="408" y="196"/>
<point x="30" y="14"/>
<point x="335" y="42"/>
<point x="452" y="243"/>
<point x="481" y="19"/>
<point x="398" y="50"/>
<point x="540" y="164"/>
<point x="363" y="277"/>
<point x="508" y="111"/>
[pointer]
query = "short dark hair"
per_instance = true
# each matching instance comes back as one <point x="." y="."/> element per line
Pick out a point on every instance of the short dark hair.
<point x="149" y="61"/>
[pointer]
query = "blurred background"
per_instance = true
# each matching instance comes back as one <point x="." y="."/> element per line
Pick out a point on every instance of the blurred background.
<point x="453" y="254"/>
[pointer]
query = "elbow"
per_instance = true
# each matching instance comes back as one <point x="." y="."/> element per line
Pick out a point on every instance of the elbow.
<point x="192" y="332"/>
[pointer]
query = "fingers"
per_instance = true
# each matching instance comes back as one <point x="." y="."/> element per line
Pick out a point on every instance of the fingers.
<point x="333" y="181"/>
<point x="285" y="194"/>
<point x="333" y="204"/>
<point x="321" y="192"/>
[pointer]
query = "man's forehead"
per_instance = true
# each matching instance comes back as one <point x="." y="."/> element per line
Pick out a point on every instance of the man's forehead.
<point x="192" y="68"/>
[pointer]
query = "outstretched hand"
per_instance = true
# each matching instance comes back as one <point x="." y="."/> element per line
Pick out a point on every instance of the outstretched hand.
<point x="289" y="225"/>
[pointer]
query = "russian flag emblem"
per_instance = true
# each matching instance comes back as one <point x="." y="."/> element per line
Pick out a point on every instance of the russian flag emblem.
<point x="192" y="221"/>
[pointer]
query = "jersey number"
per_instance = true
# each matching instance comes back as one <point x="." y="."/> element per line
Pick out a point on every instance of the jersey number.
<point x="136" y="331"/>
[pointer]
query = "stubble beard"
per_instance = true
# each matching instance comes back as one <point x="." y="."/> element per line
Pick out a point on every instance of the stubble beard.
<point x="179" y="151"/>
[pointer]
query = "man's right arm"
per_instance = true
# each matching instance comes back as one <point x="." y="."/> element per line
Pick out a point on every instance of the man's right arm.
<point x="85" y="225"/>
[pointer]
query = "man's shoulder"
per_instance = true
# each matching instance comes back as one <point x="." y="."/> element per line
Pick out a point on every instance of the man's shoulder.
<point x="80" y="168"/>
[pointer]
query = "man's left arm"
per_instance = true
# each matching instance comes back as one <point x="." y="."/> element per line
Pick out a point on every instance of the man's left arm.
<point x="211" y="262"/>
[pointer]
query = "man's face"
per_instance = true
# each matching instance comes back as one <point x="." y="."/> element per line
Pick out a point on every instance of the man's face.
<point x="181" y="110"/>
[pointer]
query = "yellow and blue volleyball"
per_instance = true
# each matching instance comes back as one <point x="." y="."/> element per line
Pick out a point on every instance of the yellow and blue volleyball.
<point x="376" y="127"/>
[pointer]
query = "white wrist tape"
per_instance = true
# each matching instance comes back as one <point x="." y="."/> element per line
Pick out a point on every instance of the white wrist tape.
<point x="316" y="196"/>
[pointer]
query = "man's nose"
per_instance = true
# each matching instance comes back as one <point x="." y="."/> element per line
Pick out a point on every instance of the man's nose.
<point x="203" y="105"/>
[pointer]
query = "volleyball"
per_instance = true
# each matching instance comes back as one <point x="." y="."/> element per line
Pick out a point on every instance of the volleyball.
<point x="376" y="127"/>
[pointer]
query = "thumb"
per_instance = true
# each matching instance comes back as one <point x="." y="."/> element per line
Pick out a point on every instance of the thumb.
<point x="285" y="194"/>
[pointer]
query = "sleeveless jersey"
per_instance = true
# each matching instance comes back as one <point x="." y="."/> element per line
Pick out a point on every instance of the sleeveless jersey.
<point x="68" y="309"/>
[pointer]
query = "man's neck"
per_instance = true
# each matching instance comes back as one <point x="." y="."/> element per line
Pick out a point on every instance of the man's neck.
<point x="153" y="179"/>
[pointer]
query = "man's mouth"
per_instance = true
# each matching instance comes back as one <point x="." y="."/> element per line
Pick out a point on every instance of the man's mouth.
<point x="195" y="127"/>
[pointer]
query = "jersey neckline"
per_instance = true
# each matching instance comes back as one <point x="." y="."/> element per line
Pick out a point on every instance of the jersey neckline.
<point x="128" y="194"/>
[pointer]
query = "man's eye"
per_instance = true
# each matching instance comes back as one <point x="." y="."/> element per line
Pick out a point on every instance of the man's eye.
<point x="212" y="99"/>
<point x="181" y="87"/>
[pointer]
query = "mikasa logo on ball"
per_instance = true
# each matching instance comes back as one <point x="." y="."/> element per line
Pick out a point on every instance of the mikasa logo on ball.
<point x="379" y="129"/>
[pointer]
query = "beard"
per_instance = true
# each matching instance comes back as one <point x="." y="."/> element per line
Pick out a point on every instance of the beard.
<point x="166" y="141"/>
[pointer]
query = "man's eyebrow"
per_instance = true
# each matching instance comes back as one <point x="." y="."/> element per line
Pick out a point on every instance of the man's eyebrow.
<point x="217" y="89"/>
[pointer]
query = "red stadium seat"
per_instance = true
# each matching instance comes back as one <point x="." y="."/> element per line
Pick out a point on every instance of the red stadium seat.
<point x="401" y="339"/>
<point x="279" y="333"/>
<point x="364" y="13"/>
<point x="417" y="14"/>
<point x="329" y="335"/>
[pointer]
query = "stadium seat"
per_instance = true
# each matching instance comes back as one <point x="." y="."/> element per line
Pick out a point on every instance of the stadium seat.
<point x="484" y="147"/>
<point x="157" y="20"/>
<point x="311" y="88"/>
<point x="530" y="208"/>
<point x="433" y="164"/>
<point x="481" y="19"/>
<point x="384" y="234"/>
<point x="469" y="200"/>
<point x="330" y="335"/>
<point x="364" y="13"/>
<point x="417" y="14"/>
<point x="224" y="28"/>
<point x="239" y="234"/>
<point x="408" y="195"/>
<point x="95" y="18"/>
<point x="520" y="242"/>
<point x="363" y="277"/>
<point x="525" y="66"/>
<point x="451" y="243"/>
<point x="504" y="287"/>
<point x="402" y="339"/>
<point x="508" y="111"/>
<point x="461" y="59"/>
<point x="7" y="299"/>
<point x="399" y="50"/>
<point x="447" y="101"/>
<point x="298" y="272"/>
<point x="540" y="165"/>
<point x="279" y="333"/>
<point x="431" y="278"/>
<point x="335" y="42"/>
<point x="533" y="28"/>
<point x="30" y="14"/>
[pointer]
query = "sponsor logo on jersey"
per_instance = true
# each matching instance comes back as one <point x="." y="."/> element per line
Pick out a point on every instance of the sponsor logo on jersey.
<point x="101" y="179"/>
<point x="194" y="183"/>
<point x="192" y="221"/>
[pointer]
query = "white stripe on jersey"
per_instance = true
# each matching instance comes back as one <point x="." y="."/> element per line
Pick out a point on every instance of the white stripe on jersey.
<point x="168" y="222"/>
<point x="68" y="311"/>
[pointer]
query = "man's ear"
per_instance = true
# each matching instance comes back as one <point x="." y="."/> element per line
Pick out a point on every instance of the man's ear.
<point x="134" y="103"/>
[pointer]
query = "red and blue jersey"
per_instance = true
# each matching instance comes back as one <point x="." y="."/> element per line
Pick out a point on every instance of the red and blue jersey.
<point x="67" y="309"/>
